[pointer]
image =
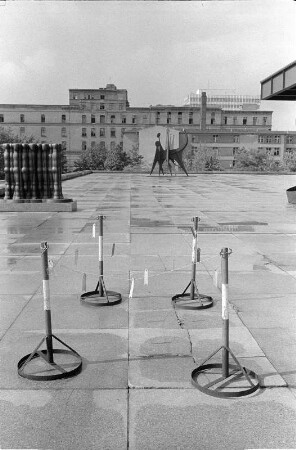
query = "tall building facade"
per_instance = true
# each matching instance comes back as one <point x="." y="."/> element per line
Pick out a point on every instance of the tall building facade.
<point x="103" y="118"/>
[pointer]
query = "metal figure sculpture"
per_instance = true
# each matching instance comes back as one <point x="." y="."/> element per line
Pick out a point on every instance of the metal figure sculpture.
<point x="169" y="155"/>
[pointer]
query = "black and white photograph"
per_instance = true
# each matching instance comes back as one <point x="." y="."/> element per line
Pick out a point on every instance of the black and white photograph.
<point x="148" y="224"/>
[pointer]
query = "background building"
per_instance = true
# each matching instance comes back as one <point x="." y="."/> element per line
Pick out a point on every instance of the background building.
<point x="225" y="99"/>
<point x="103" y="118"/>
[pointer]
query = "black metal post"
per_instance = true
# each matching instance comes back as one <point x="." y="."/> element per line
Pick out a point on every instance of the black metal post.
<point x="46" y="300"/>
<point x="225" y="314"/>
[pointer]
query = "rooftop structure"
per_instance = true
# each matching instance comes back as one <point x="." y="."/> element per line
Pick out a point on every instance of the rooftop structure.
<point x="281" y="85"/>
<point x="227" y="100"/>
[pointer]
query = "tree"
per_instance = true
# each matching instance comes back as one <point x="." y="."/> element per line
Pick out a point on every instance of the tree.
<point x="256" y="160"/>
<point x="91" y="159"/>
<point x="116" y="158"/>
<point x="290" y="161"/>
<point x="202" y="158"/>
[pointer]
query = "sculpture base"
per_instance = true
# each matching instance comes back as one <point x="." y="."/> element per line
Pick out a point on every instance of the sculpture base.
<point x="51" y="205"/>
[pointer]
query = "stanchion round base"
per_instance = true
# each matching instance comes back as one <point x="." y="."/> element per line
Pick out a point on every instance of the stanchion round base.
<point x="66" y="364"/>
<point x="93" y="298"/>
<point x="200" y="301"/>
<point x="209" y="380"/>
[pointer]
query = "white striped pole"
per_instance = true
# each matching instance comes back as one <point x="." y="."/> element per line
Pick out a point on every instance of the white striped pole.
<point x="194" y="256"/>
<point x="225" y="314"/>
<point x="101" y="255"/>
<point x="46" y="301"/>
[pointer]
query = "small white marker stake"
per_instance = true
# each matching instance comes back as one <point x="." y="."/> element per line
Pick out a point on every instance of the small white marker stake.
<point x="84" y="282"/>
<point x="94" y="230"/>
<point x="146" y="277"/>
<point x="132" y="288"/>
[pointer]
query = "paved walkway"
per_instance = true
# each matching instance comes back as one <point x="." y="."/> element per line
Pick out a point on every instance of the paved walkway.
<point x="135" y="388"/>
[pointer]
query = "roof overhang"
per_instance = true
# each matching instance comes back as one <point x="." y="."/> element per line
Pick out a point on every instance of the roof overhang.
<point x="281" y="85"/>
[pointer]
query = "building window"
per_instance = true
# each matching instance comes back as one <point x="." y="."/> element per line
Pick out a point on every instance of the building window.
<point x="190" y="117"/>
<point x="277" y="139"/>
<point x="102" y="119"/>
<point x="264" y="120"/>
<point x="276" y="151"/>
<point x="83" y="132"/>
<point x="113" y="132"/>
<point x="102" y="97"/>
<point x="102" y="132"/>
<point x="234" y="150"/>
<point x="134" y="119"/>
<point x="42" y="118"/>
<point x="157" y="117"/>
<point x="93" y="118"/>
<point x="93" y="132"/>
<point x="169" y="117"/>
<point x="225" y="120"/>
<point x="102" y="106"/>
<point x="268" y="139"/>
<point x="1" y="117"/>
<point x="179" y="118"/>
<point x="236" y="138"/>
<point x="215" y="137"/>
<point x="260" y="139"/>
<point x="83" y="118"/>
<point x="22" y="130"/>
<point x="83" y="145"/>
<point x="63" y="118"/>
<point x="268" y="150"/>
<point x="112" y="119"/>
<point x="75" y="97"/>
<point x="234" y="120"/>
<point x="43" y="131"/>
<point x="289" y="139"/>
<point x="245" y="120"/>
<point x="254" y="120"/>
<point x="123" y="119"/>
<point x="22" y="118"/>
<point x="64" y="132"/>
<point x="102" y="145"/>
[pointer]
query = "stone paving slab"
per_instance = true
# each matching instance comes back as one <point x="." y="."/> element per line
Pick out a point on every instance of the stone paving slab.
<point x="206" y="341"/>
<point x="186" y="419"/>
<point x="104" y="354"/>
<point x="10" y="307"/>
<point x="156" y="341"/>
<point x="63" y="419"/>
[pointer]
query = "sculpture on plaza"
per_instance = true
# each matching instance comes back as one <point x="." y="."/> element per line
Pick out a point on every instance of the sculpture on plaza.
<point x="169" y="155"/>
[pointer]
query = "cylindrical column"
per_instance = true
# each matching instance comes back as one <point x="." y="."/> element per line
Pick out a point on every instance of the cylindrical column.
<point x="225" y="314"/>
<point x="32" y="170"/>
<point x="101" y="256"/>
<point x="194" y="256"/>
<point x="8" y="187"/>
<point x="60" y="171"/>
<point x="46" y="301"/>
<point x="45" y="150"/>
<point x="54" y="169"/>
<point x="25" y="172"/>
<point x="16" y="172"/>
<point x="39" y="171"/>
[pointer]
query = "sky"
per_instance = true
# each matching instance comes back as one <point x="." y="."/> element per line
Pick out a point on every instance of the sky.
<point x="158" y="51"/>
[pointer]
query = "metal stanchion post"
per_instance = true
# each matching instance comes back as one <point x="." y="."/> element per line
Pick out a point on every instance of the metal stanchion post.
<point x="195" y="300"/>
<point x="100" y="296"/>
<point x="101" y="274"/>
<point x="225" y="314"/>
<point x="217" y="385"/>
<point x="46" y="301"/>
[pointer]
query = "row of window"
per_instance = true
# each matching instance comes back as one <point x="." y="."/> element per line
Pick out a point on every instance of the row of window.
<point x="226" y="119"/>
<point x="101" y="145"/>
<point x="268" y="139"/>
<point x="102" y="132"/>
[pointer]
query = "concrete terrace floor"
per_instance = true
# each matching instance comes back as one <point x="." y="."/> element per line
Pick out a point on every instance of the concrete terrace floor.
<point x="135" y="388"/>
